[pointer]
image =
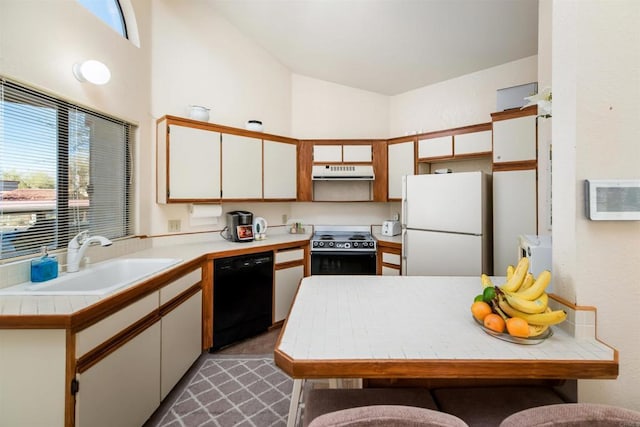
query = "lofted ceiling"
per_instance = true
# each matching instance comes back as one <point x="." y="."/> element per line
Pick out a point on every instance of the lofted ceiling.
<point x="388" y="46"/>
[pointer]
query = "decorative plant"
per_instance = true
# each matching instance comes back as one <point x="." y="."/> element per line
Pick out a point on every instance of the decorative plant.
<point x="543" y="99"/>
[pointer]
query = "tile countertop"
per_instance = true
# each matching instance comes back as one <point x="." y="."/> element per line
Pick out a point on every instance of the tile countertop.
<point x="350" y="319"/>
<point x="47" y="305"/>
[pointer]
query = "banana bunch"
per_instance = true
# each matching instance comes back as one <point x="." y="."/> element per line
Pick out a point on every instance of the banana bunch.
<point x="524" y="296"/>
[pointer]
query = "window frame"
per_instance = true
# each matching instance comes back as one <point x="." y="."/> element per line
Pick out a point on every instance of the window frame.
<point x="63" y="228"/>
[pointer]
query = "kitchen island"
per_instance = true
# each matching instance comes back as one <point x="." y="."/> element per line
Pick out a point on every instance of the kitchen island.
<point x="421" y="327"/>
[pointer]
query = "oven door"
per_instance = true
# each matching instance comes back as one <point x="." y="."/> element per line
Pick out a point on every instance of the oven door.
<point x="349" y="263"/>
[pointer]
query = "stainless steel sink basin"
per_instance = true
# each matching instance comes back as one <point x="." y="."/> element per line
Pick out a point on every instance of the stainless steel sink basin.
<point x="97" y="279"/>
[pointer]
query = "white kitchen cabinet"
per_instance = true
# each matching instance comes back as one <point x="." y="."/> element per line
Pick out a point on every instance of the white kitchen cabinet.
<point x="435" y="147"/>
<point x="472" y="143"/>
<point x="188" y="163"/>
<point x="327" y="153"/>
<point x="122" y="388"/>
<point x="357" y="153"/>
<point x="400" y="162"/>
<point x="241" y="167"/>
<point x="289" y="270"/>
<point x="181" y="341"/>
<point x="514" y="139"/>
<point x="514" y="214"/>
<point x="280" y="170"/>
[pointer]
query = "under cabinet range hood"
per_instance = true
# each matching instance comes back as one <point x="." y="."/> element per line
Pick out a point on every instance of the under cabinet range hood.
<point x="342" y="173"/>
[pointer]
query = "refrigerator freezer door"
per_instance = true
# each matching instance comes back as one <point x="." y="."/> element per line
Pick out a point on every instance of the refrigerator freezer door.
<point x="441" y="254"/>
<point x="452" y="202"/>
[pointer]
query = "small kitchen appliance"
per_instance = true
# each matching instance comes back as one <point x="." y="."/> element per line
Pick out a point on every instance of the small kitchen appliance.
<point x="260" y="228"/>
<point x="391" y="228"/>
<point x="239" y="226"/>
<point x="538" y="249"/>
<point x="343" y="250"/>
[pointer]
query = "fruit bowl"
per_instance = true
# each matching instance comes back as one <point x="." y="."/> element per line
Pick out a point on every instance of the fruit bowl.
<point x="509" y="338"/>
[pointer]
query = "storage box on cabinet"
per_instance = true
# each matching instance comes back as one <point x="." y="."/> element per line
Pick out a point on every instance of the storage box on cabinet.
<point x="289" y="270"/>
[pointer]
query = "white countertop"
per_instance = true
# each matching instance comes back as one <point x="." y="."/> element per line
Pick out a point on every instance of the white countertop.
<point x="46" y="305"/>
<point x="384" y="317"/>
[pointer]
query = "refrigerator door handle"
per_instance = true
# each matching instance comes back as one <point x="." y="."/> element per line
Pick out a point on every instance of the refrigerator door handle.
<point x="403" y="219"/>
<point x="403" y="253"/>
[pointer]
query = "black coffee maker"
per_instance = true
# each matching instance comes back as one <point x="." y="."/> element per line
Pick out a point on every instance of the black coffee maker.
<point x="240" y="226"/>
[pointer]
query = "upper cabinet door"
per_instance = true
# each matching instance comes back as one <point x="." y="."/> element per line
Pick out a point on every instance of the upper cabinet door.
<point x="435" y="147"/>
<point x="400" y="163"/>
<point x="327" y="153"/>
<point x="193" y="171"/>
<point x="280" y="170"/>
<point x="241" y="167"/>
<point x="357" y="153"/>
<point x="472" y="143"/>
<point x="514" y="140"/>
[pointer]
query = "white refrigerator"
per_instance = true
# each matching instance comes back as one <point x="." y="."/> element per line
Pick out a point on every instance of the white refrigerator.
<point x="446" y="224"/>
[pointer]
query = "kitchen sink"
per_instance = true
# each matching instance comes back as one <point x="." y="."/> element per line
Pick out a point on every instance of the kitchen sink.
<point x="98" y="279"/>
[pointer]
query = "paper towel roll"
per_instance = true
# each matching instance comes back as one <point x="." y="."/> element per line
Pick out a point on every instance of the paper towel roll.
<point x="204" y="214"/>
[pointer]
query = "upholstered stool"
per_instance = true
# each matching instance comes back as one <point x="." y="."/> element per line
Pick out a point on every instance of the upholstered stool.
<point x="574" y="415"/>
<point x="322" y="401"/>
<point x="387" y="416"/>
<point x="488" y="406"/>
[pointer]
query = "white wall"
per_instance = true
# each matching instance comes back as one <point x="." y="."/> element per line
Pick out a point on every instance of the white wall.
<point x="201" y="59"/>
<point x="596" y="78"/>
<point x="323" y="109"/>
<point x="462" y="101"/>
<point x="41" y="40"/>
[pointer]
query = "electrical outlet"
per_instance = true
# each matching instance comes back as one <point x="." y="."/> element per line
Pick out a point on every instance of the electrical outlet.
<point x="396" y="216"/>
<point x="284" y="218"/>
<point x="174" y="225"/>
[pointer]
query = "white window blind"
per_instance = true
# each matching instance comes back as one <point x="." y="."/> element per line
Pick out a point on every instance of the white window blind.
<point x="64" y="169"/>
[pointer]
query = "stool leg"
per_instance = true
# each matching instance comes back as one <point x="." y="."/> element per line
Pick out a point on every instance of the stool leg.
<point x="295" y="401"/>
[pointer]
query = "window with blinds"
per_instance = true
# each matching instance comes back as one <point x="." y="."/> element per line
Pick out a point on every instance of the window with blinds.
<point x="64" y="169"/>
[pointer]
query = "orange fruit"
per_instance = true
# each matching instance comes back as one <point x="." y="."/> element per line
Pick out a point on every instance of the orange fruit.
<point x="518" y="327"/>
<point x="494" y="322"/>
<point x="480" y="310"/>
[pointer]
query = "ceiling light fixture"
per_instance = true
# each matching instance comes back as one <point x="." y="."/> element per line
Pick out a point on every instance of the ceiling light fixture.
<point x="92" y="71"/>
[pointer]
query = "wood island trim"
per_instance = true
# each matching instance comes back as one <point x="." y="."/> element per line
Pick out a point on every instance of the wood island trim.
<point x="446" y="368"/>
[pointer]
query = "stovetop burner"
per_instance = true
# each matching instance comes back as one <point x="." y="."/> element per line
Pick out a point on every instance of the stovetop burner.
<point x="343" y="238"/>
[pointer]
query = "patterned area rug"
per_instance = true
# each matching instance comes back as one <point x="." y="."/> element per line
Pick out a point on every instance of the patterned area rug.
<point x="225" y="391"/>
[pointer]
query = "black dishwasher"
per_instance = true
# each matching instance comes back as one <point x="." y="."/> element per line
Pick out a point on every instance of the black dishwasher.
<point x="242" y="297"/>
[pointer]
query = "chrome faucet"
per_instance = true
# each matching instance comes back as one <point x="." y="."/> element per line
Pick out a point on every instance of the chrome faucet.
<point x="78" y="246"/>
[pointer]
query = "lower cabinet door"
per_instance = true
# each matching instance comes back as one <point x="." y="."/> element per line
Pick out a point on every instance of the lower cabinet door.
<point x="123" y="388"/>
<point x="181" y="341"/>
<point x="286" y="284"/>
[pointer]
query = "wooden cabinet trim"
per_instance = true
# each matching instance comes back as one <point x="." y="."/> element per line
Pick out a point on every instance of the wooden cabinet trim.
<point x="289" y="264"/>
<point x="514" y="113"/>
<point x="175" y="302"/>
<point x="106" y="348"/>
<point x="513" y="166"/>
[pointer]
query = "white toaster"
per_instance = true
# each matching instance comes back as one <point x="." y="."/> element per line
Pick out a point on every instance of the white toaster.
<point x="391" y="228"/>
